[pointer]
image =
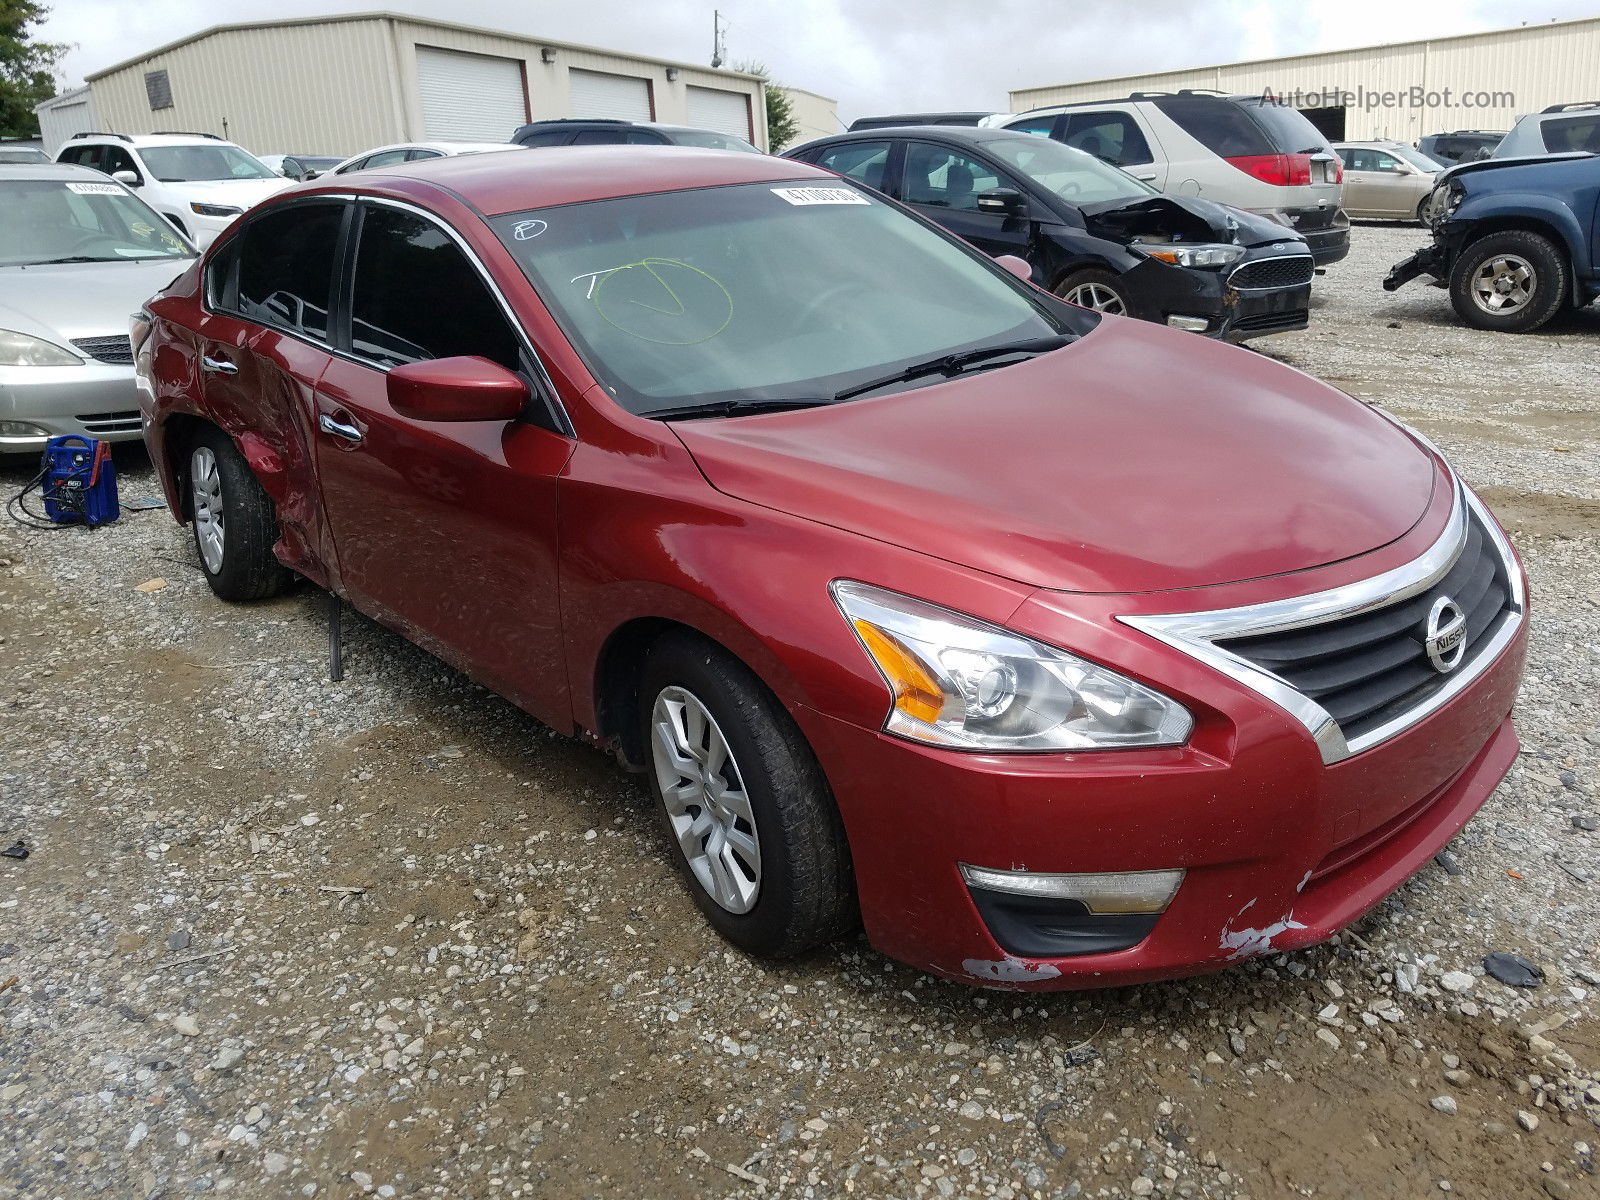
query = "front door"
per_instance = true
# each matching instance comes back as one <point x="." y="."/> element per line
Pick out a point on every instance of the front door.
<point x="943" y="184"/>
<point x="445" y="530"/>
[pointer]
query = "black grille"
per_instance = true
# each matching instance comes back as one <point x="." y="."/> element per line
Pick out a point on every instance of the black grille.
<point x="111" y="422"/>
<point x="1274" y="273"/>
<point x="1295" y="318"/>
<point x="1368" y="669"/>
<point x="116" y="350"/>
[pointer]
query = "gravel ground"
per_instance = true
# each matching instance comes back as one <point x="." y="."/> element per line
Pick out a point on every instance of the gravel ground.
<point x="283" y="937"/>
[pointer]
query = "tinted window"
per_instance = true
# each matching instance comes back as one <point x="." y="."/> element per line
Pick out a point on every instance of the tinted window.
<point x="1572" y="133"/>
<point x="286" y="268"/>
<point x="546" y="137"/>
<point x="416" y="297"/>
<point x="1113" y="136"/>
<point x="117" y="159"/>
<point x="83" y="156"/>
<point x="1039" y="125"/>
<point x="421" y="155"/>
<point x="1221" y="126"/>
<point x="1287" y="127"/>
<point x="862" y="161"/>
<point x="946" y="178"/>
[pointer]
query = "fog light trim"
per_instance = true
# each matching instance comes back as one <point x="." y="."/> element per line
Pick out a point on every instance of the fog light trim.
<point x="1192" y="324"/>
<point x="1101" y="893"/>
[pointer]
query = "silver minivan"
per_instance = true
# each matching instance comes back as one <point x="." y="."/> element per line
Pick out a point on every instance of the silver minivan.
<point x="1246" y="151"/>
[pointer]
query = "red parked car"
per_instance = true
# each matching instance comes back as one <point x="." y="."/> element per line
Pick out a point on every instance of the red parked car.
<point x="1059" y="649"/>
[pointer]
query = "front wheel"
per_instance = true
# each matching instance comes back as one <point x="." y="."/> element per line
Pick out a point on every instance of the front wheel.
<point x="233" y="521"/>
<point x="745" y="804"/>
<point x="1511" y="282"/>
<point x="1103" y="291"/>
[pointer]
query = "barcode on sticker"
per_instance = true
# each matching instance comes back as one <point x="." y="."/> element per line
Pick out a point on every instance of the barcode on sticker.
<point x="820" y="195"/>
<point x="95" y="189"/>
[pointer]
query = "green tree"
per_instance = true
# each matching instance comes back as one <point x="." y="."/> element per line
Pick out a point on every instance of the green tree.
<point x="781" y="126"/>
<point x="27" y="67"/>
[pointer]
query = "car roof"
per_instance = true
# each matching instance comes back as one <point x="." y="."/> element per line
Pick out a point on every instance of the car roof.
<point x="45" y="172"/>
<point x="146" y="139"/>
<point x="952" y="133"/>
<point x="503" y="183"/>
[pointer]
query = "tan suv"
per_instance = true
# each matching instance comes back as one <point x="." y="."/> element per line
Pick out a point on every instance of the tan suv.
<point x="1387" y="180"/>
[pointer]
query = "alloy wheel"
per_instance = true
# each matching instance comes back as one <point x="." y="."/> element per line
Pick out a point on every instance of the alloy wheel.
<point x="706" y="800"/>
<point x="1504" y="284"/>
<point x="206" y="492"/>
<point x="1096" y="296"/>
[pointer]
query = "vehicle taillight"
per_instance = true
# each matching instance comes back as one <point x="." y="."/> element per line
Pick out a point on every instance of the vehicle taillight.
<point x="1281" y="170"/>
<point x="1338" y="169"/>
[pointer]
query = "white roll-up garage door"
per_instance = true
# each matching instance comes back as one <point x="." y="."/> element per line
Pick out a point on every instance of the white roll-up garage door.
<point x="597" y="94"/>
<point x="726" y="112"/>
<point x="470" y="97"/>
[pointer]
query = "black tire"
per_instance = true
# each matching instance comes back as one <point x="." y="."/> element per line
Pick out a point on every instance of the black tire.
<point x="1422" y="209"/>
<point x="246" y="568"/>
<point x="805" y="895"/>
<point x="1095" y="277"/>
<point x="1548" y="292"/>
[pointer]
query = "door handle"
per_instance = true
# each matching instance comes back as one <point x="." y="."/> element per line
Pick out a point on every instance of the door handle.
<point x="338" y="429"/>
<point x="218" y="366"/>
<point x="1147" y="176"/>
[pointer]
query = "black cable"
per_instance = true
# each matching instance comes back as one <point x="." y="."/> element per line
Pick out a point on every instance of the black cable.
<point x="17" y="508"/>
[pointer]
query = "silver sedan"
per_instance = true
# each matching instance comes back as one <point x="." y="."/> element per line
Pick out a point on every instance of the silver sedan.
<point x="79" y="253"/>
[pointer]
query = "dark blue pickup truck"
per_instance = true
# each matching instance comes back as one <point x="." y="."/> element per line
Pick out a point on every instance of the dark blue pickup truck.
<point x="1515" y="240"/>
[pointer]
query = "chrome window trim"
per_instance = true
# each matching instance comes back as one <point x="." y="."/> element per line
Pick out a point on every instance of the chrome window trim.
<point x="1271" y="258"/>
<point x="1195" y="634"/>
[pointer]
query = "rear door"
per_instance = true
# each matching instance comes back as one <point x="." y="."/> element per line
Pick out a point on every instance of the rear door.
<point x="264" y="347"/>
<point x="445" y="530"/>
<point x="1118" y="137"/>
<point x="943" y="183"/>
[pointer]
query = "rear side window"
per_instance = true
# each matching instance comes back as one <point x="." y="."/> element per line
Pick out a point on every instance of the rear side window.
<point x="1112" y="136"/>
<point x="1288" y="128"/>
<point x="416" y="297"/>
<point x="1572" y="133"/>
<point x="1221" y="126"/>
<point x="286" y="268"/>
<point x="1039" y="125"/>
<point x="862" y="161"/>
<point x="546" y="137"/>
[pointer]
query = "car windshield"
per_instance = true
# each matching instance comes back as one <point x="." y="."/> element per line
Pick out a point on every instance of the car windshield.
<point x="191" y="164"/>
<point x="1075" y="176"/>
<point x="55" y="220"/>
<point x="1424" y="162"/>
<point x="767" y="291"/>
<point x="22" y="154"/>
<point x="712" y="141"/>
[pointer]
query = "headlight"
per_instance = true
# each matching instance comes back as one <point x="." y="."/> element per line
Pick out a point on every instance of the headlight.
<point x="214" y="210"/>
<point x="960" y="682"/>
<point x="1444" y="201"/>
<point x="21" y="350"/>
<point x="1198" y="254"/>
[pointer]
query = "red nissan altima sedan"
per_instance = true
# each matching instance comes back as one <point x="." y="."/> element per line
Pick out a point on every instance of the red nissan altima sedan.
<point x="1058" y="649"/>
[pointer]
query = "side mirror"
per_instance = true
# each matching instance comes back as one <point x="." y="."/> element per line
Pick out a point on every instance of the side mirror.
<point x="1017" y="266"/>
<point x="309" y="175"/>
<point x="1002" y="201"/>
<point x="456" y="389"/>
<point x="130" y="178"/>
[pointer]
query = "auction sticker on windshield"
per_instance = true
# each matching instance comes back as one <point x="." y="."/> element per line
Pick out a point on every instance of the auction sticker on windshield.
<point x="95" y="189"/>
<point x="820" y="195"/>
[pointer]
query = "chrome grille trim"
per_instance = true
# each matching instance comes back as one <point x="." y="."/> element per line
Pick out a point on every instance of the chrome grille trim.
<point x="1195" y="633"/>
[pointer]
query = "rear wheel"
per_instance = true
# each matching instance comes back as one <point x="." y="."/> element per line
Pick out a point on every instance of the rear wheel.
<point x="233" y="521"/>
<point x="1511" y="282"/>
<point x="1100" y="290"/>
<point x="745" y="805"/>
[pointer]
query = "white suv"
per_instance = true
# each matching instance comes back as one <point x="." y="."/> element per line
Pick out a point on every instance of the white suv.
<point x="195" y="180"/>
<point x="1236" y="150"/>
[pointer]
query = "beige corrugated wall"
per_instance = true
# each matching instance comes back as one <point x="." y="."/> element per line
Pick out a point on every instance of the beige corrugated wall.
<point x="340" y="86"/>
<point x="1538" y="65"/>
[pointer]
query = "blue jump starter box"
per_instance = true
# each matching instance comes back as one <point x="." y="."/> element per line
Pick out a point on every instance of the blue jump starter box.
<point x="80" y="481"/>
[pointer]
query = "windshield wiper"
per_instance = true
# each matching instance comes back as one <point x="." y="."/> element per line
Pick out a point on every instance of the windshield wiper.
<point x="732" y="408"/>
<point x="71" y="258"/>
<point x="954" y="364"/>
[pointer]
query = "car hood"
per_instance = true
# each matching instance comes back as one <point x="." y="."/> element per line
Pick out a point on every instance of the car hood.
<point x="1184" y="218"/>
<point x="240" y="193"/>
<point x="1528" y="160"/>
<point x="1136" y="459"/>
<point x="78" y="300"/>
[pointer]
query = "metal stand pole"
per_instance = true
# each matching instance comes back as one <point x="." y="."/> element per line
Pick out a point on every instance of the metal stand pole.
<point x="335" y="637"/>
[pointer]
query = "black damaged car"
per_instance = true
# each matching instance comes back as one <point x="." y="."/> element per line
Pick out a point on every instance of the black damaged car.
<point x="1092" y="234"/>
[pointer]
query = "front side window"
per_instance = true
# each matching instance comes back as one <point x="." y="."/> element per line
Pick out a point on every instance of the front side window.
<point x="117" y="159"/>
<point x="286" y="262"/>
<point x="88" y="221"/>
<point x="417" y="296"/>
<point x="946" y="178"/>
<point x="1112" y="136"/>
<point x="1383" y="162"/>
<point x="1076" y="177"/>
<point x="192" y="164"/>
<point x="862" y="161"/>
<point x="763" y="291"/>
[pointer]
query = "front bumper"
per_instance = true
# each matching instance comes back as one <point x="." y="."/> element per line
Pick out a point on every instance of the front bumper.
<point x="1172" y="295"/>
<point x="95" y="400"/>
<point x="1430" y="260"/>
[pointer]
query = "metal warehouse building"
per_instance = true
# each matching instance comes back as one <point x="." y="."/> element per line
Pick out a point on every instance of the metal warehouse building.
<point x="1400" y="91"/>
<point x="341" y="84"/>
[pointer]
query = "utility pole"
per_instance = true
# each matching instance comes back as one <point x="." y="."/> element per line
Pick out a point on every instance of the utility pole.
<point x="718" y="50"/>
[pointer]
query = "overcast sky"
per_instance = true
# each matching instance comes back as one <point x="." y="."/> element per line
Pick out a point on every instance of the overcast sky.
<point x="871" y="55"/>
